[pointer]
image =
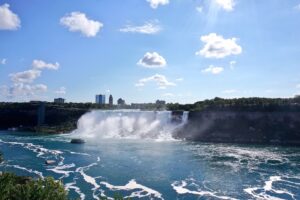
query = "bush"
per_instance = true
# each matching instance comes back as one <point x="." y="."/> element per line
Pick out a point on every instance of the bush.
<point x="14" y="187"/>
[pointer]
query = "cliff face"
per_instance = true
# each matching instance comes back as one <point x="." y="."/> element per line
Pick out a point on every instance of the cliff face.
<point x="25" y="117"/>
<point x="243" y="127"/>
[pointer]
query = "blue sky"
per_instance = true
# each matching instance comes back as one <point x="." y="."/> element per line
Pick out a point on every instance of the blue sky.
<point x="143" y="50"/>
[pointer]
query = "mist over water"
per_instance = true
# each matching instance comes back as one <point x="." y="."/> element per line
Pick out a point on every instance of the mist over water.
<point x="129" y="124"/>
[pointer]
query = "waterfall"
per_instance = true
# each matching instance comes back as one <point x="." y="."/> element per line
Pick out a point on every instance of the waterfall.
<point x="130" y="124"/>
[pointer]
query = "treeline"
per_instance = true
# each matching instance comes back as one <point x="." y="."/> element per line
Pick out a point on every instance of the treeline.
<point x="241" y="104"/>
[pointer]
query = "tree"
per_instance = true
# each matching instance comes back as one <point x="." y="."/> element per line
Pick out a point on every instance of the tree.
<point x="14" y="187"/>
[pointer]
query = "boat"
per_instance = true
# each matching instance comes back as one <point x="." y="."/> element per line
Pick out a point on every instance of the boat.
<point x="77" y="141"/>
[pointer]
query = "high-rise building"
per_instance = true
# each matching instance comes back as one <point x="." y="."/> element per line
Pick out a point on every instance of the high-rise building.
<point x="100" y="99"/>
<point x="111" y="100"/>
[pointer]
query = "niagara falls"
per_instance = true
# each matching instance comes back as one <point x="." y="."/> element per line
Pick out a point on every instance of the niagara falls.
<point x="149" y="100"/>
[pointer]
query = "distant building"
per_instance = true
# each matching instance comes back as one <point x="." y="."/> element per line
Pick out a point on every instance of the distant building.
<point x="111" y="100"/>
<point x="100" y="99"/>
<point x="121" y="102"/>
<point x="160" y="102"/>
<point x="59" y="100"/>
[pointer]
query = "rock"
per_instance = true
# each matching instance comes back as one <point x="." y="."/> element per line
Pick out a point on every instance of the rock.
<point x="50" y="162"/>
<point x="77" y="141"/>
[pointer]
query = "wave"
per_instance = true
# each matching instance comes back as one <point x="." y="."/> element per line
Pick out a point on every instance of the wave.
<point x="268" y="189"/>
<point x="139" y="190"/>
<point x="60" y="169"/>
<point x="181" y="188"/>
<point x="73" y="186"/>
<point x="31" y="171"/>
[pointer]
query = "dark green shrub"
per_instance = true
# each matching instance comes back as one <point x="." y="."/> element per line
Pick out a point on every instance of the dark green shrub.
<point x="13" y="187"/>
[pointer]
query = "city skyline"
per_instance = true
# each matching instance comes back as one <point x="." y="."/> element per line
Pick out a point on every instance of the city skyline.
<point x="179" y="51"/>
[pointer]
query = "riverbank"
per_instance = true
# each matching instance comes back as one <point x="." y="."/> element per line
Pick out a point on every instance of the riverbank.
<point x="245" y="120"/>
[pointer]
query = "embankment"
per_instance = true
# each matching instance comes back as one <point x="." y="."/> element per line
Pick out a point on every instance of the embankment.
<point x="277" y="127"/>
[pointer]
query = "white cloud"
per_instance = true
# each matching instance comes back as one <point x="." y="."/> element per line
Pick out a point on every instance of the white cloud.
<point x="147" y="28"/>
<point x="199" y="9"/>
<point x="21" y="89"/>
<point x="160" y="80"/>
<point x="232" y="64"/>
<point x="218" y="47"/>
<point x="298" y="86"/>
<point x="8" y="19"/>
<point x="229" y="91"/>
<point x="152" y="60"/>
<point x="39" y="64"/>
<point x="227" y="5"/>
<point x="25" y="76"/>
<point x="179" y="79"/>
<point x="78" y="22"/>
<point x="155" y="3"/>
<point x="61" y="90"/>
<point x="3" y="61"/>
<point x="213" y="70"/>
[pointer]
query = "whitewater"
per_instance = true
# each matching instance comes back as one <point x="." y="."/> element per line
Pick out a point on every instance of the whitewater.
<point x="133" y="153"/>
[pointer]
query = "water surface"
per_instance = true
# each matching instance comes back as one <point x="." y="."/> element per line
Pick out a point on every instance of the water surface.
<point x="148" y="169"/>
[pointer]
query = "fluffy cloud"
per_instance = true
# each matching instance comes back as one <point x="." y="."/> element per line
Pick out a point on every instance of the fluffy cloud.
<point x="218" y="47"/>
<point x="147" y="28"/>
<point x="227" y="5"/>
<point x="39" y="64"/>
<point x="21" y="89"/>
<point x="152" y="60"/>
<point x="213" y="70"/>
<point x="160" y="80"/>
<point x="61" y="90"/>
<point x="155" y="3"/>
<point x="8" y="19"/>
<point x="25" y="76"/>
<point x="3" y="61"/>
<point x="78" y="22"/>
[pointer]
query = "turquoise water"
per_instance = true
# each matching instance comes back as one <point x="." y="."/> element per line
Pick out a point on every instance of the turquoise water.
<point x="147" y="169"/>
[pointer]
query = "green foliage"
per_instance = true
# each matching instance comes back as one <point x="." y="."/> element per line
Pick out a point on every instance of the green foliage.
<point x="241" y="104"/>
<point x="13" y="187"/>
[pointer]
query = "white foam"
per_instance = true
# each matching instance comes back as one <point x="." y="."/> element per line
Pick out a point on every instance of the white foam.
<point x="133" y="185"/>
<point x="61" y="170"/>
<point x="89" y="179"/>
<point x="260" y="193"/>
<point x="79" y="153"/>
<point x="180" y="188"/>
<point x="39" y="149"/>
<point x="40" y="174"/>
<point x="69" y="186"/>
